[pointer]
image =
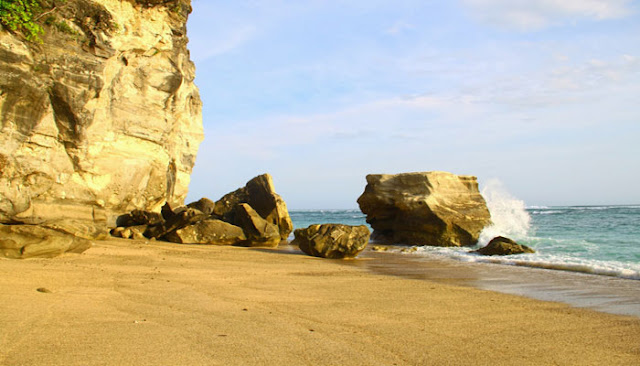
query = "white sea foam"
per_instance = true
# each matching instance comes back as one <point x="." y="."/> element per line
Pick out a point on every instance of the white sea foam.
<point x="547" y="212"/>
<point x="543" y="261"/>
<point x="509" y="216"/>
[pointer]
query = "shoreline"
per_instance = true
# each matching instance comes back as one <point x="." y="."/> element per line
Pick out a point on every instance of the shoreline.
<point x="608" y="294"/>
<point x="146" y="303"/>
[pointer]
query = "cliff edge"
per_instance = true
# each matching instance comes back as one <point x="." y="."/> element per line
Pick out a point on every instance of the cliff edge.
<point x="102" y="117"/>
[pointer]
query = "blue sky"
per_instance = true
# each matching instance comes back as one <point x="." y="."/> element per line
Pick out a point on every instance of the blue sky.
<point x="542" y="95"/>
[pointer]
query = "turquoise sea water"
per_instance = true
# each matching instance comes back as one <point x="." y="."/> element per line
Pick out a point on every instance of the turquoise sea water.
<point x="601" y="240"/>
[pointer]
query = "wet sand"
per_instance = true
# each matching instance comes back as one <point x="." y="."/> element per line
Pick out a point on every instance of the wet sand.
<point x="602" y="293"/>
<point x="135" y="303"/>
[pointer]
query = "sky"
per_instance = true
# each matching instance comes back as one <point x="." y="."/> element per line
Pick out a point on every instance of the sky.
<point x="542" y="96"/>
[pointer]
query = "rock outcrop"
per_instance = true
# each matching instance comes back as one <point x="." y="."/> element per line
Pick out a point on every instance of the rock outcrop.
<point x="431" y="208"/>
<point x="260" y="194"/>
<point x="27" y="241"/>
<point x="101" y="118"/>
<point x="229" y="221"/>
<point x="333" y="241"/>
<point x="503" y="246"/>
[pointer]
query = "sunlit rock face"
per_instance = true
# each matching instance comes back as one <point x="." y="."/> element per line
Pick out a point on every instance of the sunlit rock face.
<point x="101" y="118"/>
<point x="429" y="208"/>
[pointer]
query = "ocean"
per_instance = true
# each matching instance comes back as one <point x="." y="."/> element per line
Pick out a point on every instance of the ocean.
<point x="585" y="255"/>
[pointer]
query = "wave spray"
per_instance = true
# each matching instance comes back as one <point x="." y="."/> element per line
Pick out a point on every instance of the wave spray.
<point x="508" y="215"/>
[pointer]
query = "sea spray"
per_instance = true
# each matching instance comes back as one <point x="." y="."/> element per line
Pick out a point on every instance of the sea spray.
<point x="508" y="215"/>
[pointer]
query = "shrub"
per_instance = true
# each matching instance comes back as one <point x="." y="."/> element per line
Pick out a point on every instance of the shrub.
<point x="19" y="15"/>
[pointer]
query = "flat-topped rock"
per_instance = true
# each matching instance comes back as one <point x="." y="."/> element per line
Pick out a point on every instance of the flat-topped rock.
<point x="29" y="241"/>
<point x="429" y="208"/>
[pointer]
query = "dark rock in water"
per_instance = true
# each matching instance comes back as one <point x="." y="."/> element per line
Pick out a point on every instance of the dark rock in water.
<point x="503" y="246"/>
<point x="208" y="231"/>
<point x="259" y="232"/>
<point x="139" y="217"/>
<point x="334" y="241"/>
<point x="260" y="194"/>
<point x="29" y="241"/>
<point x="204" y="205"/>
<point x="178" y="221"/>
<point x="431" y="208"/>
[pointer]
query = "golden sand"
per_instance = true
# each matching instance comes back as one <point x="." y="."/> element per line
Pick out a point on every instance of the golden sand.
<point x="135" y="303"/>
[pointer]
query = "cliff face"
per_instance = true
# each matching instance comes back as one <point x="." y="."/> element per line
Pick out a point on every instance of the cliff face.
<point x="101" y="118"/>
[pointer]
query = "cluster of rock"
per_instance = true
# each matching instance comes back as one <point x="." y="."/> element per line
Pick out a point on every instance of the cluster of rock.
<point x="430" y="208"/>
<point x="254" y="215"/>
<point x="334" y="241"/>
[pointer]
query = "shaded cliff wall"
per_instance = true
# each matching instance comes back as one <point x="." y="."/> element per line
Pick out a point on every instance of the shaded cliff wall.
<point x="101" y="118"/>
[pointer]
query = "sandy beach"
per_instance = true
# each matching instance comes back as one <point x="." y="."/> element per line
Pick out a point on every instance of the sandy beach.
<point x="136" y="303"/>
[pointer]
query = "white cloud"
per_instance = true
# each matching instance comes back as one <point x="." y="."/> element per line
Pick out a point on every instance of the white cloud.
<point x="205" y="46"/>
<point x="527" y="15"/>
<point x="400" y="27"/>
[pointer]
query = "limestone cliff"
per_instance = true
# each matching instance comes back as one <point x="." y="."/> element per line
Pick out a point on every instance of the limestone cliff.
<point x="102" y="117"/>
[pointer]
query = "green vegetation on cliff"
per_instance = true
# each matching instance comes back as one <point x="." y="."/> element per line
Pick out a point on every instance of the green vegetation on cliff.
<point x="20" y="15"/>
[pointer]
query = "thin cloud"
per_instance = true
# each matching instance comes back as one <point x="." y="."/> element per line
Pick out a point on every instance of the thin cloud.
<point x="204" y="48"/>
<point x="531" y="15"/>
<point x="399" y="27"/>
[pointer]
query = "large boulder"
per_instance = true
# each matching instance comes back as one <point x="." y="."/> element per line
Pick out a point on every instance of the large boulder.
<point x="28" y="241"/>
<point x="260" y="194"/>
<point x="102" y="117"/>
<point x="334" y="241"/>
<point x="503" y="246"/>
<point x="208" y="231"/>
<point x="259" y="232"/>
<point x="430" y="208"/>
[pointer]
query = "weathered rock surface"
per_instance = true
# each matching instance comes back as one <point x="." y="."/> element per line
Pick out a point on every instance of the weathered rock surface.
<point x="139" y="217"/>
<point x="27" y="241"/>
<point x="431" y="208"/>
<point x="503" y="246"/>
<point x="204" y="205"/>
<point x="260" y="194"/>
<point x="180" y="220"/>
<point x="101" y="118"/>
<point x="334" y="241"/>
<point x="208" y="231"/>
<point x="259" y="231"/>
<point x="230" y="221"/>
<point x="130" y="232"/>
